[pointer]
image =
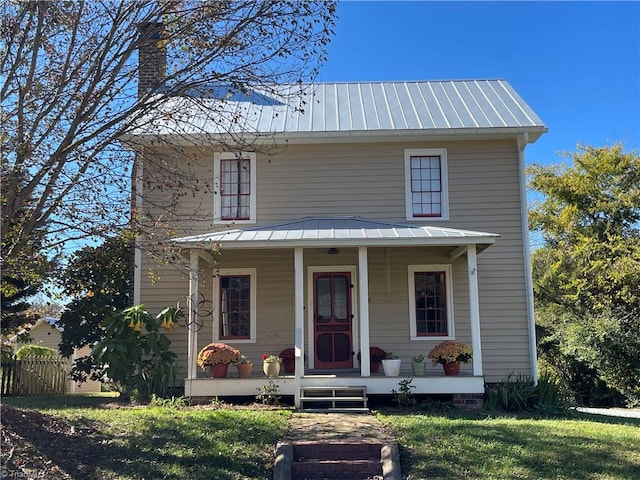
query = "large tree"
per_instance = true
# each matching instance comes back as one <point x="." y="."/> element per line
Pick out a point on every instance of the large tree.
<point x="70" y="90"/>
<point x="587" y="274"/>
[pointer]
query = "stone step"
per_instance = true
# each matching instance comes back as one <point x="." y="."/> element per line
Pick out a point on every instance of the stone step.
<point x="342" y="469"/>
<point x="336" y="451"/>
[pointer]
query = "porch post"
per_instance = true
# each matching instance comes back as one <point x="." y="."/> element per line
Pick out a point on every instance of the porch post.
<point x="474" y="308"/>
<point x="192" y="345"/>
<point x="363" y="298"/>
<point x="299" y="321"/>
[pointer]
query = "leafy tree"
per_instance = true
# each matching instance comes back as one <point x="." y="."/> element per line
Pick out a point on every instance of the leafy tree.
<point x="587" y="274"/>
<point x="97" y="279"/>
<point x="70" y="91"/>
<point x="14" y="296"/>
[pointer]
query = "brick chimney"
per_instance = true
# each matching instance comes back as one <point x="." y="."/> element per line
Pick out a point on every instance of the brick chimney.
<point x="152" y="58"/>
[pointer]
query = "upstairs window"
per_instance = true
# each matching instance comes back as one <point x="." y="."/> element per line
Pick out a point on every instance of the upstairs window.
<point x="430" y="297"/>
<point x="235" y="194"/>
<point x="426" y="184"/>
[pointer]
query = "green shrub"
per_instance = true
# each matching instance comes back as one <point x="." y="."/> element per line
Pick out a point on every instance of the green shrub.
<point x="136" y="355"/>
<point x="35" y="351"/>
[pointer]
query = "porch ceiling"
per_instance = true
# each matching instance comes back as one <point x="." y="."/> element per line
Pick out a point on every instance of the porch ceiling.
<point x="339" y="232"/>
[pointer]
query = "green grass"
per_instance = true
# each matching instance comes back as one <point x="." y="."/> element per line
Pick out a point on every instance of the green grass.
<point x="153" y="442"/>
<point x="459" y="447"/>
<point x="118" y="442"/>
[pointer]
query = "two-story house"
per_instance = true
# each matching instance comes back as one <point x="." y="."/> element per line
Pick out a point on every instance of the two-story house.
<point x="388" y="214"/>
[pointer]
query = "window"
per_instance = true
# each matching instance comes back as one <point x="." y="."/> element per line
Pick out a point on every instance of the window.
<point x="430" y="302"/>
<point x="235" y="291"/>
<point x="235" y="181"/>
<point x="426" y="184"/>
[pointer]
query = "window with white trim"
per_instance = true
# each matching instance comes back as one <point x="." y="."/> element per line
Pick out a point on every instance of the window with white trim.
<point x="430" y="302"/>
<point x="235" y="310"/>
<point x="426" y="184"/>
<point x="235" y="187"/>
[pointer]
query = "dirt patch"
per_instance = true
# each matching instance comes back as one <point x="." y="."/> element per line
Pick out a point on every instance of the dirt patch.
<point x="24" y="433"/>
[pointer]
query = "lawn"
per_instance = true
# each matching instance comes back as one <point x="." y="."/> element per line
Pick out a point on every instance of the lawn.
<point x="90" y="438"/>
<point x="459" y="447"/>
<point x="97" y="438"/>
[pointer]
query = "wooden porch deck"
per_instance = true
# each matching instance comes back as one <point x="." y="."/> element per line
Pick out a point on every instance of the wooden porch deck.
<point x="377" y="384"/>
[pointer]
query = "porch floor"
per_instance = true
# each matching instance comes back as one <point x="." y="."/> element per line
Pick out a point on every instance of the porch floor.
<point x="376" y="384"/>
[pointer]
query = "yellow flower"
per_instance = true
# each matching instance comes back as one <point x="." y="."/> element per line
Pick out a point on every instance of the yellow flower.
<point x="447" y="352"/>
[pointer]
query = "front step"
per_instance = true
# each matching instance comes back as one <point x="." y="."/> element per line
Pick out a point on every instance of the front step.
<point x="343" y="399"/>
<point x="351" y="461"/>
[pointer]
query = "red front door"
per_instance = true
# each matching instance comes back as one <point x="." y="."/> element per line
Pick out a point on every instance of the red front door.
<point x="332" y="320"/>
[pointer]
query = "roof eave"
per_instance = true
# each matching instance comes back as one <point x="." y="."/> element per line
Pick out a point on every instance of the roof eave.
<point x="360" y="136"/>
<point x="343" y="243"/>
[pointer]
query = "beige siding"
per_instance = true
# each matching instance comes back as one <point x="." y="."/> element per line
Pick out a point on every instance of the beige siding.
<point x="46" y="336"/>
<point x="368" y="180"/>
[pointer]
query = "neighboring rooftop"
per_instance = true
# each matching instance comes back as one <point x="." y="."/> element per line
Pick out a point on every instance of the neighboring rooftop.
<point x="479" y="107"/>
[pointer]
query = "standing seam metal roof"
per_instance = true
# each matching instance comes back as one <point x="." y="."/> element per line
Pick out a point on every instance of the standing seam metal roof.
<point x="349" y="107"/>
<point x="339" y="231"/>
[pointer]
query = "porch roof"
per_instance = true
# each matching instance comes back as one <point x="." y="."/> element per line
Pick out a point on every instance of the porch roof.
<point x="339" y="232"/>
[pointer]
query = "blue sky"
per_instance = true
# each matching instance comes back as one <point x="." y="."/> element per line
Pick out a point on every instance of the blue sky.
<point x="577" y="64"/>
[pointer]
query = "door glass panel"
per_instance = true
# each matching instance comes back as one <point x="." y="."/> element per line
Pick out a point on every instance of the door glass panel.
<point x="340" y="304"/>
<point x="323" y="292"/>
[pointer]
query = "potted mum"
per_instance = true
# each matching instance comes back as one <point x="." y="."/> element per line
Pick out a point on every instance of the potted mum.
<point x="217" y="356"/>
<point x="417" y="365"/>
<point x="391" y="365"/>
<point x="450" y="354"/>
<point x="376" y="354"/>
<point x="245" y="366"/>
<point x="271" y="365"/>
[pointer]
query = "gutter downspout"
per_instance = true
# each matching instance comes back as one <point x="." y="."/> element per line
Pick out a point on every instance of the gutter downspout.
<point x="523" y="140"/>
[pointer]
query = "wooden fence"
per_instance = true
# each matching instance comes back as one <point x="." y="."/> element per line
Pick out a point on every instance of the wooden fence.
<point x="35" y="376"/>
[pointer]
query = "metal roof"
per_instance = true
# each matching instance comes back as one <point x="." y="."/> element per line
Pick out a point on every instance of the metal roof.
<point x="304" y="110"/>
<point x="339" y="231"/>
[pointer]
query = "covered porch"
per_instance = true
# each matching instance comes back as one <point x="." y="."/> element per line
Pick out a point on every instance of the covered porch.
<point x="363" y="243"/>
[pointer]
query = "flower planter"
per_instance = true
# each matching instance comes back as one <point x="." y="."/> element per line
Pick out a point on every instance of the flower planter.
<point x="375" y="366"/>
<point x="451" y="368"/>
<point x="244" y="370"/>
<point x="219" y="370"/>
<point x="271" y="369"/>
<point x="391" y="367"/>
<point x="418" y="369"/>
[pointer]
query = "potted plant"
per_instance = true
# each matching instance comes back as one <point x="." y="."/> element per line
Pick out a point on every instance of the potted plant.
<point x="288" y="357"/>
<point x="391" y="365"/>
<point x="417" y="365"/>
<point x="376" y="354"/>
<point x="245" y="366"/>
<point x="450" y="354"/>
<point x="217" y="356"/>
<point x="271" y="365"/>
